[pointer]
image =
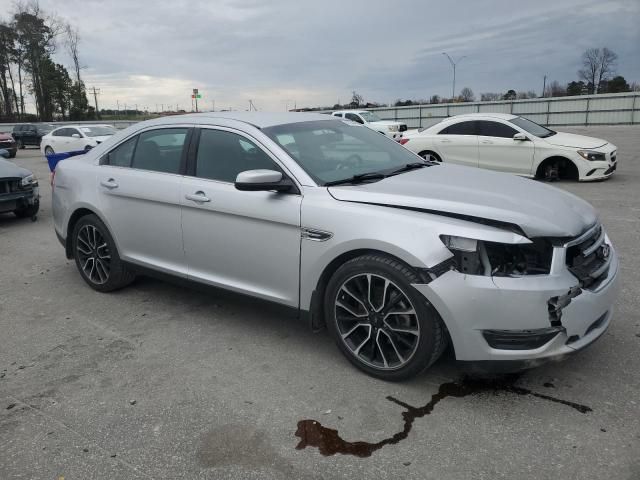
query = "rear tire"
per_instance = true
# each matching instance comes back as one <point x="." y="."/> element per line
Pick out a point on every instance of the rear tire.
<point x="20" y="144"/>
<point x="96" y="256"/>
<point x="430" y="156"/>
<point x="382" y="324"/>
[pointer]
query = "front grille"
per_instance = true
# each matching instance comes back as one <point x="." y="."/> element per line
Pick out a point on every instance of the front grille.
<point x="403" y="127"/>
<point x="9" y="186"/>
<point x="589" y="257"/>
<point x="6" y="143"/>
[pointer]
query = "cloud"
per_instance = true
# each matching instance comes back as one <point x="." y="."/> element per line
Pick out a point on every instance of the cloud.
<point x="283" y="51"/>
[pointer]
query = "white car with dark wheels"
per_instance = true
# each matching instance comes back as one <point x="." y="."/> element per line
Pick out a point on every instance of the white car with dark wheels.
<point x="70" y="138"/>
<point x="509" y="143"/>
<point x="398" y="257"/>
<point x="390" y="128"/>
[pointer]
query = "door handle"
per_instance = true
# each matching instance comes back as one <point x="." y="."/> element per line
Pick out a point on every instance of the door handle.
<point x="110" y="184"/>
<point x="445" y="140"/>
<point x="198" y="197"/>
<point x="486" y="142"/>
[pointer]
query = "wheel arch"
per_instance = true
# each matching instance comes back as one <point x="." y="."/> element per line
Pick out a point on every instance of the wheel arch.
<point x="573" y="170"/>
<point x="316" y="307"/>
<point x="78" y="213"/>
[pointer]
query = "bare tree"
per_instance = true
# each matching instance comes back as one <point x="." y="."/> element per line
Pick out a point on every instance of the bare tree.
<point x="597" y="65"/>
<point x="467" y="95"/>
<point x="490" y="97"/>
<point x="555" y="89"/>
<point x="356" y="99"/>
<point x="71" y="41"/>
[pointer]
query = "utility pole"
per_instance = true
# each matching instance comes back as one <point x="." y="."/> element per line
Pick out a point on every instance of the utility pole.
<point x="213" y="105"/>
<point x="544" y="86"/>
<point x="453" y="64"/>
<point x="161" y="107"/>
<point x="156" y="108"/>
<point x="96" y="92"/>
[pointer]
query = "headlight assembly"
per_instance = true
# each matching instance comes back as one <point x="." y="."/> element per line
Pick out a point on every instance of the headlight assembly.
<point x="394" y="128"/>
<point x="28" y="180"/>
<point x="592" y="156"/>
<point x="478" y="257"/>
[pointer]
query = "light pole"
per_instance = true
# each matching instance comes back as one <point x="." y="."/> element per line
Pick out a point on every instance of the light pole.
<point x="453" y="64"/>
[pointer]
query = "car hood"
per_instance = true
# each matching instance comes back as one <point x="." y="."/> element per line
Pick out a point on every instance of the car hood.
<point x="11" y="170"/>
<point x="571" y="140"/>
<point x="538" y="209"/>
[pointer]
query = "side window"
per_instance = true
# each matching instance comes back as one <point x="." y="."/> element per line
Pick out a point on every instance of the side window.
<point x="354" y="117"/>
<point x="496" y="129"/>
<point x="462" y="128"/>
<point x="121" y="156"/>
<point x="339" y="115"/>
<point x="160" y="150"/>
<point x="72" y="131"/>
<point x="444" y="131"/>
<point x="59" y="132"/>
<point x="223" y="155"/>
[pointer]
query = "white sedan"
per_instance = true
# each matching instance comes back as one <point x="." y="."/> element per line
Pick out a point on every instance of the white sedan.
<point x="69" y="138"/>
<point x="509" y="143"/>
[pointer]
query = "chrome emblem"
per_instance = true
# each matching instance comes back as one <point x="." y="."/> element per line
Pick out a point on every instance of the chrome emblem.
<point x="605" y="251"/>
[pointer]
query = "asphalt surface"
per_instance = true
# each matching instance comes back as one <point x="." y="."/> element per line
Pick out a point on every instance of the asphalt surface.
<point x="162" y="381"/>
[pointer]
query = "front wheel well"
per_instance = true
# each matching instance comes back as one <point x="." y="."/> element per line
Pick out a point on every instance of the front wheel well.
<point x="75" y="217"/>
<point x="424" y="154"/>
<point x="317" y="298"/>
<point x="557" y="167"/>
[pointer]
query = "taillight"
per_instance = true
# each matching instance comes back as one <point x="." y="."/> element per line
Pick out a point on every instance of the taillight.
<point x="403" y="141"/>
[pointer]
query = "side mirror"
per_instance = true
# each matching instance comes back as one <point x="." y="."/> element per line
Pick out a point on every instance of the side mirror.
<point x="262" y="180"/>
<point x="4" y="153"/>
<point x="520" y="137"/>
<point x="76" y="135"/>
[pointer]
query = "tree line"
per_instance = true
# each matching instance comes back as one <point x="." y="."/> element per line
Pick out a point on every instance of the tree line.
<point x="28" y="40"/>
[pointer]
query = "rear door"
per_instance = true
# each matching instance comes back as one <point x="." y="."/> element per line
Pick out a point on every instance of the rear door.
<point x="139" y="185"/>
<point x="244" y="241"/>
<point x="458" y="143"/>
<point x="499" y="151"/>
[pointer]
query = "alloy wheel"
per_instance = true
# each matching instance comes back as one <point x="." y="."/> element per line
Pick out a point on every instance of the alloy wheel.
<point x="430" y="157"/>
<point x="48" y="151"/>
<point x="376" y="321"/>
<point x="93" y="253"/>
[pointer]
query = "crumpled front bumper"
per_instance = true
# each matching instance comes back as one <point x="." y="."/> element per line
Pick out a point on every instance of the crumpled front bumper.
<point x="12" y="201"/>
<point x="471" y="304"/>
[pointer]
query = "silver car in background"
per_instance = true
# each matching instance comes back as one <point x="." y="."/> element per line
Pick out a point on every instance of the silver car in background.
<point x="397" y="256"/>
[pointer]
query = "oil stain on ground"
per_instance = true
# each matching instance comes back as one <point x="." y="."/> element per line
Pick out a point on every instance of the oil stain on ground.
<point x="328" y="441"/>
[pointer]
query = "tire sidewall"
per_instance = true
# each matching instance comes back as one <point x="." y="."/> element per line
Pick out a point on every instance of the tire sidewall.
<point x="427" y="316"/>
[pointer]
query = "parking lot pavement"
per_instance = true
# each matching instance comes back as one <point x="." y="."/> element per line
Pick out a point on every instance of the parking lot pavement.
<point x="160" y="381"/>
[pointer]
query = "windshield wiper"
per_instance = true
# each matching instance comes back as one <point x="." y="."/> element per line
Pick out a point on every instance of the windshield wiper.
<point x="409" y="166"/>
<point x="357" y="178"/>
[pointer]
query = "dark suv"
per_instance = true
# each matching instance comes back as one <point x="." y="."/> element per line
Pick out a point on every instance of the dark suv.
<point x="30" y="133"/>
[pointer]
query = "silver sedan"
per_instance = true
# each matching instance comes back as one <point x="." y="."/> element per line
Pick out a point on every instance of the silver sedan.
<point x="397" y="256"/>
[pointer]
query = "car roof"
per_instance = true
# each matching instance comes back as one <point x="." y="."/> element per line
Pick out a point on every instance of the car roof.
<point x="501" y="116"/>
<point x="351" y="111"/>
<point x="85" y="125"/>
<point x="256" y="119"/>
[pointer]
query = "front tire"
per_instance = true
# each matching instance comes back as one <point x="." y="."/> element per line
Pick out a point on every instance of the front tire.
<point x="48" y="150"/>
<point x="382" y="324"/>
<point x="97" y="257"/>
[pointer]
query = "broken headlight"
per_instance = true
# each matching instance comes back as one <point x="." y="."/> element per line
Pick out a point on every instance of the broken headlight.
<point x="479" y="257"/>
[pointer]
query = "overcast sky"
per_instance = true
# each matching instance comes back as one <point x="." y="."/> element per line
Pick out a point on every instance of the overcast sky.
<point x="277" y="52"/>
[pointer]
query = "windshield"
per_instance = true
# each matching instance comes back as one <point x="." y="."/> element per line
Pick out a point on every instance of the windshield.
<point x="532" y="127"/>
<point x="98" y="131"/>
<point x="330" y="150"/>
<point x="370" y="117"/>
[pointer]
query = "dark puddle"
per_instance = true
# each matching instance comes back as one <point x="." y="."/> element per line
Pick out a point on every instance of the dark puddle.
<point x="329" y="442"/>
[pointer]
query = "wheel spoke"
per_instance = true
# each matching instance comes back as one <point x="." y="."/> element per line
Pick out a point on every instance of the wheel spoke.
<point x="357" y="325"/>
<point x="406" y="311"/>
<point x="393" y="344"/>
<point x="348" y="309"/>
<point x="364" y="342"/>
<point x="410" y="331"/>
<point x="381" y="350"/>
<point x="354" y="296"/>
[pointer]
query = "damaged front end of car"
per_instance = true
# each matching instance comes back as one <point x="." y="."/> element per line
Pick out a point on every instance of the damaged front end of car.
<point x="529" y="300"/>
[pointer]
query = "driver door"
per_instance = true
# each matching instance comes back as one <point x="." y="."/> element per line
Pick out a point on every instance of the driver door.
<point x="499" y="151"/>
<point x="243" y="241"/>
